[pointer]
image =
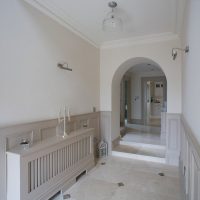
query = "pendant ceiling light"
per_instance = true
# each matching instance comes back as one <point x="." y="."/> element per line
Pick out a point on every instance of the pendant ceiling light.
<point x="112" y="23"/>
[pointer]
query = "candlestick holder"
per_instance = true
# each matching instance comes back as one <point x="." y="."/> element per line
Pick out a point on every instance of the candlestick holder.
<point x="61" y="128"/>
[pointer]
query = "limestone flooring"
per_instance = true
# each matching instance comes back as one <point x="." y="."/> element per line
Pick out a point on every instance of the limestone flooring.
<point x="141" y="149"/>
<point x="139" y="181"/>
<point x="143" y="134"/>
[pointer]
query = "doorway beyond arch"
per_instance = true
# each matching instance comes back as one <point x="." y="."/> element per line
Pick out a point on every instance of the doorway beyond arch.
<point x="115" y="102"/>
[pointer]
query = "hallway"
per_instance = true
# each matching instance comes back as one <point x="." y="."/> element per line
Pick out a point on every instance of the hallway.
<point x="73" y="74"/>
<point x="140" y="181"/>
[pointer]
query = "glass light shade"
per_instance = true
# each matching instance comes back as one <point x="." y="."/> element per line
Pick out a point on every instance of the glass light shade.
<point x="112" y="23"/>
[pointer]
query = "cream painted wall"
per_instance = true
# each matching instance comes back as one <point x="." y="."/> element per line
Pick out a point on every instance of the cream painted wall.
<point x="159" y="52"/>
<point x="191" y="67"/>
<point x="113" y="65"/>
<point x="136" y="107"/>
<point x="31" y="86"/>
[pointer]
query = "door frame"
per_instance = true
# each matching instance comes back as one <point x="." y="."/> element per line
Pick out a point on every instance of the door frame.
<point x="144" y="81"/>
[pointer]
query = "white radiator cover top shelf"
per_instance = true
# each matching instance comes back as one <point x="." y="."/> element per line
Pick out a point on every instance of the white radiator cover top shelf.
<point x="48" y="166"/>
<point x="41" y="145"/>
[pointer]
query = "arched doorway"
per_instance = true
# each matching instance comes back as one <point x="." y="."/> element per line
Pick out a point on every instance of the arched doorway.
<point x="118" y="115"/>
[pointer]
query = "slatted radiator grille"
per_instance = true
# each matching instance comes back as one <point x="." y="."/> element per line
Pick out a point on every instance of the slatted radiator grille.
<point x="44" y="168"/>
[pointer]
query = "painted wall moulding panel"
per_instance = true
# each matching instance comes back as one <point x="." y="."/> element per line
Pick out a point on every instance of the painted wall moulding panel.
<point x="172" y="138"/>
<point x="106" y="128"/>
<point x="189" y="162"/>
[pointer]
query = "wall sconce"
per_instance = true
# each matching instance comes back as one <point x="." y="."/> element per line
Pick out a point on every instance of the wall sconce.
<point x="175" y="53"/>
<point x="64" y="66"/>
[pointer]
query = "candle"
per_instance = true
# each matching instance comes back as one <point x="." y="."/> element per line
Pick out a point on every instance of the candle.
<point x="64" y="120"/>
<point x="68" y="114"/>
<point x="31" y="142"/>
<point x="59" y="116"/>
<point x="65" y="111"/>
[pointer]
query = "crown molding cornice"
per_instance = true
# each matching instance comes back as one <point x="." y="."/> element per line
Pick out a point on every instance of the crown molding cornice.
<point x="59" y="17"/>
<point x="140" y="40"/>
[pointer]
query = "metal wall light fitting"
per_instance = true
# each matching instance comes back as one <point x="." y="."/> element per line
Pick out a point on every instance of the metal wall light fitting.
<point x="64" y="66"/>
<point x="175" y="53"/>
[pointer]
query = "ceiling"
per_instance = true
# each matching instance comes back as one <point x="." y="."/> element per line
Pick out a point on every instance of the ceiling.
<point x="141" y="17"/>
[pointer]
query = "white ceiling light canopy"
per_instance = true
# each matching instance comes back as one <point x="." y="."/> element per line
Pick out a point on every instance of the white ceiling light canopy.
<point x="112" y="22"/>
